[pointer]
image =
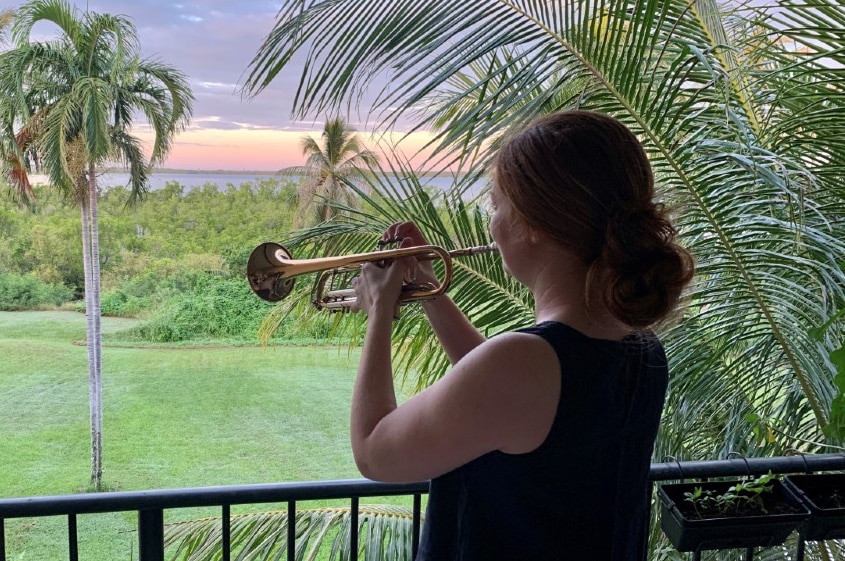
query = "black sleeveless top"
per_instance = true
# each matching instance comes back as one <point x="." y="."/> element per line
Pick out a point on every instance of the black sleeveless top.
<point x="583" y="493"/>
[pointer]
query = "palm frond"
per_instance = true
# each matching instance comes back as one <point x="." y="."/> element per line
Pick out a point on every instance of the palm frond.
<point x="739" y="124"/>
<point x="385" y="533"/>
<point x="490" y="297"/>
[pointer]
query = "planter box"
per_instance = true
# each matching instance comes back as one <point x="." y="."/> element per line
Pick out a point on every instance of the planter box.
<point x="689" y="533"/>
<point x="827" y="513"/>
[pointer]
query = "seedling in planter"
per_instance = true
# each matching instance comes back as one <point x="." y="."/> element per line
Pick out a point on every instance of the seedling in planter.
<point x="738" y="499"/>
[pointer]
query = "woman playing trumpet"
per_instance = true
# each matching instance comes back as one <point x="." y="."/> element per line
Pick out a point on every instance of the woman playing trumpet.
<point x="537" y="442"/>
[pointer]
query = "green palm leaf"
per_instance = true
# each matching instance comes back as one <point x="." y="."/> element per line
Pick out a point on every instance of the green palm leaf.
<point x="385" y="532"/>
<point x="717" y="98"/>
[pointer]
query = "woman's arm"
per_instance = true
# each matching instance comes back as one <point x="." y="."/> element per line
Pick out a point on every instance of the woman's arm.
<point x="373" y="395"/>
<point x="502" y="395"/>
<point x="455" y="332"/>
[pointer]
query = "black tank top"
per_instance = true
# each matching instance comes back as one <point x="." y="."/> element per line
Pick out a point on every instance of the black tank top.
<point x="582" y="494"/>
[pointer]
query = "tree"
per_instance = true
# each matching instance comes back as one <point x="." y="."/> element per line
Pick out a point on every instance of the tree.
<point x="6" y="18"/>
<point x="328" y="168"/>
<point x="739" y="111"/>
<point x="734" y="108"/>
<point x="68" y="105"/>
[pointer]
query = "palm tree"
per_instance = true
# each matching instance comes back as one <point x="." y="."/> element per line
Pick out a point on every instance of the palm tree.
<point x="68" y="105"/>
<point x="740" y="113"/>
<point x="6" y="18"/>
<point x="339" y="160"/>
<point x="736" y="109"/>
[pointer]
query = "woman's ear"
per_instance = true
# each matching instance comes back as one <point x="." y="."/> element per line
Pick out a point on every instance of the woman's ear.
<point x="534" y="235"/>
<point x="527" y="232"/>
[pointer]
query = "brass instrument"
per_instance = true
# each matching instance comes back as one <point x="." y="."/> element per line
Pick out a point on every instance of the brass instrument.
<point x="272" y="271"/>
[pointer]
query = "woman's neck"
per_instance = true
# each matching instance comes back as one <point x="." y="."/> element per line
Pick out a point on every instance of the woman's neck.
<point x="559" y="295"/>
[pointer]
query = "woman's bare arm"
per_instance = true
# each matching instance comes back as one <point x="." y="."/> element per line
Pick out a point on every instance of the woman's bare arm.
<point x="453" y="329"/>
<point x="456" y="333"/>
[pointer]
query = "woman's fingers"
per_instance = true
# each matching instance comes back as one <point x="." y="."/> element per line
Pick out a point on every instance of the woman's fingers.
<point x="377" y="283"/>
<point x="406" y="233"/>
<point x="355" y="305"/>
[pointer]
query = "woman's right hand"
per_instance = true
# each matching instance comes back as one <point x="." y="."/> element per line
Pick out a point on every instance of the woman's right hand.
<point x="409" y="235"/>
<point x="454" y="331"/>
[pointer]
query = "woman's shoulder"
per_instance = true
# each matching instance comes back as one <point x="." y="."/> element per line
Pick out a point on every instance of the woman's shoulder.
<point x="557" y="331"/>
<point x="528" y="343"/>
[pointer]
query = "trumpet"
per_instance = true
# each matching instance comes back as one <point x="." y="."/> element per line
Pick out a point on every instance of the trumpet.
<point x="271" y="272"/>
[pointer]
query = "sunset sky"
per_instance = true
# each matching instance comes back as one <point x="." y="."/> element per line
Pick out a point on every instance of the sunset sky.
<point x="212" y="42"/>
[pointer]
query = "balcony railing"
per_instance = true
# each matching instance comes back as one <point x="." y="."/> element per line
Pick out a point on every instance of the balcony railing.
<point x="150" y="505"/>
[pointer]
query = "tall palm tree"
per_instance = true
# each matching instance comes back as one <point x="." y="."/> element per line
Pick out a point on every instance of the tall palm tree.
<point x="328" y="168"/>
<point x="6" y="18"/>
<point x="68" y="105"/>
<point x="739" y="111"/>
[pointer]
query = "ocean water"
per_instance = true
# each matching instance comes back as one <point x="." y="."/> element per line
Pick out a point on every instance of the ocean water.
<point x="188" y="180"/>
<point x="196" y="180"/>
<point x="159" y="179"/>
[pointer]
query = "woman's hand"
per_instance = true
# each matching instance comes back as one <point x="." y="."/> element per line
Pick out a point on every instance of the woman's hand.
<point x="409" y="235"/>
<point x="378" y="286"/>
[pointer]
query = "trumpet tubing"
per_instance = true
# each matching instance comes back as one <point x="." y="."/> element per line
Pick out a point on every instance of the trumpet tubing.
<point x="271" y="272"/>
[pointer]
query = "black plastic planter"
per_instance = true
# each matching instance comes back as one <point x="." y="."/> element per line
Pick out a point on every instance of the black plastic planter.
<point x="689" y="533"/>
<point x="824" y="495"/>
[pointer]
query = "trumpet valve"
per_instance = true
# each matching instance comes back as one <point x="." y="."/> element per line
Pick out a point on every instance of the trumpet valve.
<point x="340" y="300"/>
<point x="417" y="291"/>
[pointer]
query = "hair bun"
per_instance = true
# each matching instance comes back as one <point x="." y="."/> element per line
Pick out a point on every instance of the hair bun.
<point x="644" y="270"/>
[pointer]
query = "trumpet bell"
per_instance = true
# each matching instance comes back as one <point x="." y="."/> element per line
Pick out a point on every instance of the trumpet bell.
<point x="273" y="286"/>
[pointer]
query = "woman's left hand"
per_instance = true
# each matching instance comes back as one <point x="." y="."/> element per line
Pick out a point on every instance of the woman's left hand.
<point x="378" y="287"/>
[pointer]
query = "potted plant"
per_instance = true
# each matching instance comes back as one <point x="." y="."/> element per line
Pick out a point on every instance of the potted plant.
<point x="824" y="496"/>
<point x="729" y="514"/>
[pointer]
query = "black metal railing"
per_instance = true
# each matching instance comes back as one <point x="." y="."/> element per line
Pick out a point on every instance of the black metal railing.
<point x="150" y="505"/>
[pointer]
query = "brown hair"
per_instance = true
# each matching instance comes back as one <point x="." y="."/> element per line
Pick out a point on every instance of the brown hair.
<point x="583" y="179"/>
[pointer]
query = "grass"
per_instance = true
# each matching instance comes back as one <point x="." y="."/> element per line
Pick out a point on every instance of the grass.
<point x="173" y="417"/>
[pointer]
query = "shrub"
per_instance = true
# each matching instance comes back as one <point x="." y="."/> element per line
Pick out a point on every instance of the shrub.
<point x="28" y="292"/>
<point x="119" y="303"/>
<point x="147" y="289"/>
<point x="214" y="307"/>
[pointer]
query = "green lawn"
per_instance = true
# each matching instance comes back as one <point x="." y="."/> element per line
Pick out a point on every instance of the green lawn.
<point x="173" y="417"/>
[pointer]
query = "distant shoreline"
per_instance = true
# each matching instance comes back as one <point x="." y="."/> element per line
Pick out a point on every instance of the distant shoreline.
<point x="180" y="171"/>
<point x="190" y="178"/>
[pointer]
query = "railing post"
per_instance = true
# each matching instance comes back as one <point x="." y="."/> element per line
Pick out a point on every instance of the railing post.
<point x="2" y="540"/>
<point x="151" y="535"/>
<point x="353" y="529"/>
<point x="72" y="540"/>
<point x="415" y="521"/>
<point x="291" y="530"/>
<point x="226" y="529"/>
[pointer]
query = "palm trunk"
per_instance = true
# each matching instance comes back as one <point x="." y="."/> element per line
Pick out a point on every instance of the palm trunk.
<point x="91" y="267"/>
